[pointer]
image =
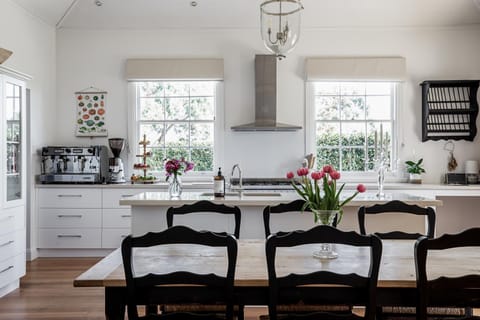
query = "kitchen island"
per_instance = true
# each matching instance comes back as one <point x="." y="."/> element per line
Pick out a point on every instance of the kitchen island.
<point x="149" y="212"/>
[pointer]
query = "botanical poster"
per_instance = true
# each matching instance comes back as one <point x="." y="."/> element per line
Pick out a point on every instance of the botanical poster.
<point x="91" y="113"/>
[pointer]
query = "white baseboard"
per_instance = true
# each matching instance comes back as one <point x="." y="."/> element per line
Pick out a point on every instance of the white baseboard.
<point x="32" y="254"/>
<point x="65" y="253"/>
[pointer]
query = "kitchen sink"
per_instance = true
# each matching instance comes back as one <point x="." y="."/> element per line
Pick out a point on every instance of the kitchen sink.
<point x="245" y="194"/>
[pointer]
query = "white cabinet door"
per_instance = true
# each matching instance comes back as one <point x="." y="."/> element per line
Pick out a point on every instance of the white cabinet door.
<point x="13" y="163"/>
<point x="11" y="269"/>
<point x="12" y="244"/>
<point x="12" y="219"/>
<point x="69" y="198"/>
<point x="111" y="197"/>
<point x="117" y="218"/>
<point x="70" y="218"/>
<point x="76" y="238"/>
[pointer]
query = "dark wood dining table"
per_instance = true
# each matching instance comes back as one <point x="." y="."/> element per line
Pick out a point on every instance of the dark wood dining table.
<point x="396" y="284"/>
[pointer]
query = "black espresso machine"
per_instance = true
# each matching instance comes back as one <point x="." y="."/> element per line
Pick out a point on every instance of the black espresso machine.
<point x="74" y="164"/>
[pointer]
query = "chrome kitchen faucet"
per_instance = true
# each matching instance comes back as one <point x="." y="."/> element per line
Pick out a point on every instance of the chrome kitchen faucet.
<point x="240" y="184"/>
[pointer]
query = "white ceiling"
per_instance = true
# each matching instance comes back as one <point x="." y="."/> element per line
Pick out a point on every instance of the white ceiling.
<point x="151" y="14"/>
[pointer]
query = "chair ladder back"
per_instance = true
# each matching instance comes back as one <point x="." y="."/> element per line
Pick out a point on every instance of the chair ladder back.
<point x="361" y="287"/>
<point x="147" y="284"/>
<point x="396" y="206"/>
<point x="293" y="206"/>
<point x="205" y="207"/>
<point x="445" y="291"/>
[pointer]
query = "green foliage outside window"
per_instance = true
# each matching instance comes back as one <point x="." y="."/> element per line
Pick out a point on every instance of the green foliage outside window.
<point x="352" y="151"/>
<point x="178" y="118"/>
<point x="347" y="114"/>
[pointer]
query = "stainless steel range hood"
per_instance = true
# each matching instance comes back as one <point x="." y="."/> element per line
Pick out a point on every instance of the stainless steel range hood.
<point x="266" y="98"/>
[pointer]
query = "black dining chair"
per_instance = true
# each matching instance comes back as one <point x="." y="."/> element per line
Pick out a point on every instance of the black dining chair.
<point x="293" y="207"/>
<point x="446" y="291"/>
<point x="404" y="312"/>
<point x="161" y="285"/>
<point x="322" y="286"/>
<point x="204" y="206"/>
<point x="275" y="213"/>
<point x="397" y="207"/>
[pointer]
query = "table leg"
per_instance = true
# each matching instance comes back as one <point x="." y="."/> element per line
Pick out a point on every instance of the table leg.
<point x="115" y="303"/>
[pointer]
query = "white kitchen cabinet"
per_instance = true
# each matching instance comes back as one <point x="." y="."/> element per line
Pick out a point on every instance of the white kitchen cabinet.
<point x="117" y="219"/>
<point x="12" y="184"/>
<point x="69" y="218"/>
<point x="82" y="218"/>
<point x="70" y="198"/>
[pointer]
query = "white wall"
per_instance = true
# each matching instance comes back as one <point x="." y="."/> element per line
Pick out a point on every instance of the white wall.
<point x="33" y="45"/>
<point x="97" y="58"/>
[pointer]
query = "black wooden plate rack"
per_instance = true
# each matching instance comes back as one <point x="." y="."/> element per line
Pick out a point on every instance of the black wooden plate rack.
<point x="449" y="109"/>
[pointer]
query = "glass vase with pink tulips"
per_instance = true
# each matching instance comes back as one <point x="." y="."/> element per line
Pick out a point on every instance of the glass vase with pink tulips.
<point x="321" y="194"/>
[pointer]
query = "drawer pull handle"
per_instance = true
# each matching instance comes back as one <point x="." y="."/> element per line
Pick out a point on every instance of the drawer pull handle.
<point x="126" y="216"/>
<point x="127" y="195"/>
<point x="6" y="243"/>
<point x="69" y="216"/>
<point x="69" y="236"/>
<point x="6" y="269"/>
<point x="6" y="218"/>
<point x="69" y="195"/>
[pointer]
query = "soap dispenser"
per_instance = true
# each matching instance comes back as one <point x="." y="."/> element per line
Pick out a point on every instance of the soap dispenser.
<point x="219" y="184"/>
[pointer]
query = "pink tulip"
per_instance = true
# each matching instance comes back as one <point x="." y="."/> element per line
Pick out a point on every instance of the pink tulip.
<point x="316" y="175"/>
<point x="302" y="172"/>
<point x="361" y="188"/>
<point x="290" y="175"/>
<point x="321" y="174"/>
<point x="327" y="168"/>
<point x="335" y="175"/>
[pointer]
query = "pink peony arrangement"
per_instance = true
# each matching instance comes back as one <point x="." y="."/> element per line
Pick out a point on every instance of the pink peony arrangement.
<point x="176" y="167"/>
<point x="320" y="189"/>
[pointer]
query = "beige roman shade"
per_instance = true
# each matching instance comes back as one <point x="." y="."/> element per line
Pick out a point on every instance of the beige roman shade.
<point x="166" y="69"/>
<point x="356" y="68"/>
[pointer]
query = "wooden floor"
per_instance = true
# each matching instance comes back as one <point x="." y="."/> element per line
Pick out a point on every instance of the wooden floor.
<point x="47" y="293"/>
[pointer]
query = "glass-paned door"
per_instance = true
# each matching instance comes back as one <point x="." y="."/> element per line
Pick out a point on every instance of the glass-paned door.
<point x="13" y="133"/>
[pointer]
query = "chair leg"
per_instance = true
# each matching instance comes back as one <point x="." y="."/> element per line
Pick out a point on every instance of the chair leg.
<point x="379" y="313"/>
<point x="241" y="312"/>
<point x="468" y="312"/>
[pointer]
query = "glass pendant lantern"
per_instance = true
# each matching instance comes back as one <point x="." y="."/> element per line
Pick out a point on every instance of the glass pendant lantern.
<point x="280" y="25"/>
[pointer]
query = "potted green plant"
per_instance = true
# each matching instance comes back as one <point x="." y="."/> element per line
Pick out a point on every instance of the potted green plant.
<point x="415" y="170"/>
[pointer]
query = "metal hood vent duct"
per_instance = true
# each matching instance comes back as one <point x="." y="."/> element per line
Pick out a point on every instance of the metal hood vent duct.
<point x="266" y="98"/>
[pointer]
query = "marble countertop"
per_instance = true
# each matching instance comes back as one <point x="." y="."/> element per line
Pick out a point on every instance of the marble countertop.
<point x="433" y="190"/>
<point x="264" y="198"/>
<point x="209" y="184"/>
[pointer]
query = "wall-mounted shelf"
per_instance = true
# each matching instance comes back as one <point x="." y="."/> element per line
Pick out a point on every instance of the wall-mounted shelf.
<point x="449" y="109"/>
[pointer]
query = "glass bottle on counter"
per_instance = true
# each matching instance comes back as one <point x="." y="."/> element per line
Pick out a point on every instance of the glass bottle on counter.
<point x="219" y="184"/>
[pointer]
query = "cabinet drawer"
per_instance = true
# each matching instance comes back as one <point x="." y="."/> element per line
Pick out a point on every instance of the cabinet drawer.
<point x="12" y="269"/>
<point x="117" y="218"/>
<point x="70" y="218"/>
<point x="69" y="238"/>
<point x="112" y="238"/>
<point x="12" y="244"/>
<point x="12" y="219"/>
<point x="111" y="197"/>
<point x="69" y="198"/>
